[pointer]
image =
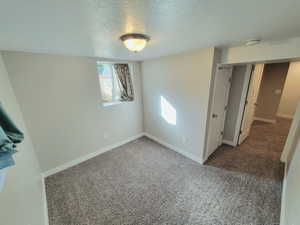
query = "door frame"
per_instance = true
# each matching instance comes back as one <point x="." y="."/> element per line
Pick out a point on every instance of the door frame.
<point x="218" y="66"/>
<point x="226" y="104"/>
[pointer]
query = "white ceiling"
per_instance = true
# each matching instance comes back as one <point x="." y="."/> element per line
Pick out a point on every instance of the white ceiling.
<point x="93" y="27"/>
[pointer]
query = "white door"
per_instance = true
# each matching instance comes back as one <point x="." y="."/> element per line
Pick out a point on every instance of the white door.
<point x="218" y="112"/>
<point x="250" y="104"/>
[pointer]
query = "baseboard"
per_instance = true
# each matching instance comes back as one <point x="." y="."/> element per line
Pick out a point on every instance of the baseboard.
<point x="282" y="213"/>
<point x="45" y="201"/>
<point x="174" y="148"/>
<point x="264" y="120"/>
<point x="89" y="156"/>
<point x="285" y="116"/>
<point x="228" y="143"/>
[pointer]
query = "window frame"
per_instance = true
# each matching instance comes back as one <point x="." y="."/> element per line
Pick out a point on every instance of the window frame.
<point x="130" y="66"/>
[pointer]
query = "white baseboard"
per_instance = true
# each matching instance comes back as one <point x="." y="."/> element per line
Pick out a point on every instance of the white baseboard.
<point x="285" y="116"/>
<point x="264" y="120"/>
<point x="45" y="201"/>
<point x="89" y="156"/>
<point x="176" y="149"/>
<point x="228" y="143"/>
<point x="283" y="199"/>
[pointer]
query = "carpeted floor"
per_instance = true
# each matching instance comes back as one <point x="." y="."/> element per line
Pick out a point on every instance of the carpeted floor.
<point x="143" y="182"/>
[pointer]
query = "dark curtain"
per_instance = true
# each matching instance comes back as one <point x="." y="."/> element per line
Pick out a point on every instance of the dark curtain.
<point x="123" y="75"/>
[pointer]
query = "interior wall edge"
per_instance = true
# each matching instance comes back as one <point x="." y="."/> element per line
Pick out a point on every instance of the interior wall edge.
<point x="189" y="155"/>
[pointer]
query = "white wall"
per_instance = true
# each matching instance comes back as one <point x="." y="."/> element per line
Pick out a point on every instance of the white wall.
<point x="291" y="156"/>
<point x="184" y="82"/>
<point x="292" y="193"/>
<point x="268" y="50"/>
<point x="21" y="201"/>
<point x="291" y="92"/>
<point x="61" y="102"/>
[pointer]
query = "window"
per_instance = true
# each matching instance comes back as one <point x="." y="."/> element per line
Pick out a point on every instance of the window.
<point x="115" y="82"/>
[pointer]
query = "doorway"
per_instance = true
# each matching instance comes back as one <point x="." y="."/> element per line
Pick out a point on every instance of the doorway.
<point x="258" y="99"/>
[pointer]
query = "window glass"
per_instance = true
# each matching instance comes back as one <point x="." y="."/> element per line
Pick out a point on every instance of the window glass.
<point x="115" y="82"/>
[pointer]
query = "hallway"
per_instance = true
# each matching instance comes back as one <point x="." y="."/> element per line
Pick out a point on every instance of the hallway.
<point x="259" y="154"/>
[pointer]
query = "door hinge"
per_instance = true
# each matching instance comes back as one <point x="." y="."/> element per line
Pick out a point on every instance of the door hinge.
<point x="225" y="108"/>
<point x="222" y="133"/>
<point x="229" y="80"/>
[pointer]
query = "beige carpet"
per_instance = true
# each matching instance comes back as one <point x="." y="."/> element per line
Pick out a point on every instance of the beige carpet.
<point x="259" y="154"/>
<point x="145" y="183"/>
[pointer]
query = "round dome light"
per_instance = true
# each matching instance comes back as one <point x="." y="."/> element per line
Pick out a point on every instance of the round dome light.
<point x="135" y="42"/>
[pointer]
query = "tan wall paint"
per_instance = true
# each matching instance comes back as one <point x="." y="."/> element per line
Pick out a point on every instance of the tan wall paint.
<point x="291" y="92"/>
<point x="273" y="79"/>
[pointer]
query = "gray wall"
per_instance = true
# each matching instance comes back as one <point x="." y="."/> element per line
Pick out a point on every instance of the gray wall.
<point x="268" y="100"/>
<point x="234" y="99"/>
<point x="22" y="200"/>
<point x="184" y="81"/>
<point x="61" y="102"/>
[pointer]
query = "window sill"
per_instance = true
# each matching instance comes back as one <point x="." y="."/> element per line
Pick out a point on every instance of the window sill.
<point x="105" y="104"/>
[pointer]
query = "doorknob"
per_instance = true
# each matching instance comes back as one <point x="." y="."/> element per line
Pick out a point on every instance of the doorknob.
<point x="214" y="115"/>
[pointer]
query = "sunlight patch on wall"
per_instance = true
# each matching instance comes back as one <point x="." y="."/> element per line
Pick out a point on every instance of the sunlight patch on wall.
<point x="168" y="112"/>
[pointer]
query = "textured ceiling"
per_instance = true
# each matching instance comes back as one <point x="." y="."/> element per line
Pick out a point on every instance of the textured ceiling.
<point x="93" y="27"/>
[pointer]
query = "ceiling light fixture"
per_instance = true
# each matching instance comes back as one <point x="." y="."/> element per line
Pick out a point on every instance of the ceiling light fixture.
<point x="252" y="42"/>
<point x="135" y="42"/>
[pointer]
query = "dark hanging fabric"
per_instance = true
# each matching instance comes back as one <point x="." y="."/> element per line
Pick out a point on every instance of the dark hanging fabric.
<point x="10" y="135"/>
<point x="123" y="75"/>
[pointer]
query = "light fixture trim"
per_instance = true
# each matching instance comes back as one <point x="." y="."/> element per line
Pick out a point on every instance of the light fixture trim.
<point x="253" y="41"/>
<point x="134" y="41"/>
<point x="125" y="37"/>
